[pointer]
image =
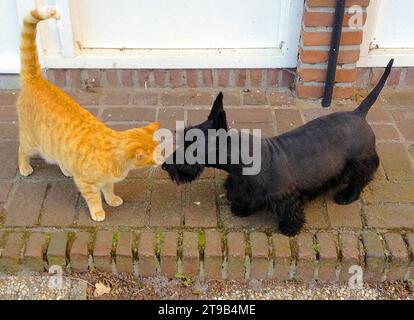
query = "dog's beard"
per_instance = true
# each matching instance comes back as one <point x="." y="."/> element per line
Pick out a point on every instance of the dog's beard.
<point x="183" y="173"/>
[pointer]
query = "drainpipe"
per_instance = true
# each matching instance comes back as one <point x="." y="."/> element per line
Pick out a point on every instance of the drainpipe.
<point x="333" y="53"/>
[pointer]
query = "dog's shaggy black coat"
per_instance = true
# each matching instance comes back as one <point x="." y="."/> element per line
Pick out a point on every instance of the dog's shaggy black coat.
<point x="337" y="149"/>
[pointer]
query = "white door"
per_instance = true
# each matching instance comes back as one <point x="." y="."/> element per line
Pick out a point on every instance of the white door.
<point x="388" y="33"/>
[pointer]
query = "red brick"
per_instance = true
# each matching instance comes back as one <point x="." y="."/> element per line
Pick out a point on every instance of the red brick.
<point x="85" y="98"/>
<point x="168" y="254"/>
<point x="8" y="159"/>
<point x="124" y="249"/>
<point x="5" y="187"/>
<point x="186" y="98"/>
<point x="60" y="77"/>
<point x="8" y="98"/>
<point x="281" y="98"/>
<point x="102" y="253"/>
<point x="363" y="75"/>
<point x="409" y="78"/>
<point x="145" y="98"/>
<point x="240" y="77"/>
<point x="249" y="115"/>
<point x="287" y="78"/>
<point x="309" y="91"/>
<point x="75" y="78"/>
<point x="160" y="78"/>
<point x="255" y="98"/>
<point x="378" y="114"/>
<point x="256" y="77"/>
<point x="112" y="78"/>
<point x="168" y="117"/>
<point x="166" y="208"/>
<point x="394" y="77"/>
<point x="327" y="257"/>
<point x="213" y="255"/>
<point x="383" y="192"/>
<point x="127" y="78"/>
<point x="59" y="208"/>
<point x="223" y="77"/>
<point x="324" y="38"/>
<point x="282" y="257"/>
<point x="272" y="77"/>
<point x="319" y="75"/>
<point x="190" y="254"/>
<point x="232" y="98"/>
<point x="385" y="132"/>
<point x="207" y="78"/>
<point x="394" y="159"/>
<point x="325" y="19"/>
<point x="404" y="120"/>
<point x="236" y="249"/>
<point x="400" y="259"/>
<point x="147" y="261"/>
<point x="129" y="114"/>
<point x="24" y="208"/>
<point x="11" y="254"/>
<point x="259" y="266"/>
<point x="56" y="252"/>
<point x="348" y="244"/>
<point x="345" y="216"/>
<point x="321" y="56"/>
<point x="33" y="255"/>
<point x="305" y="268"/>
<point x="116" y="98"/>
<point x="143" y="77"/>
<point x="316" y="215"/>
<point x="176" y="78"/>
<point x="94" y="77"/>
<point x="410" y="242"/>
<point x="374" y="256"/>
<point x="287" y="119"/>
<point x="390" y="216"/>
<point x="79" y="252"/>
<point x="200" y="209"/>
<point x="192" y="78"/>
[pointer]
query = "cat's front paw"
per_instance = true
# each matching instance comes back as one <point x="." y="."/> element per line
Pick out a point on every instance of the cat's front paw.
<point x="26" y="170"/>
<point x="98" y="216"/>
<point x="115" y="201"/>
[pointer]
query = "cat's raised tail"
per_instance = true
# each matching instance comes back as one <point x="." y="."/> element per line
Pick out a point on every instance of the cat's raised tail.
<point x="30" y="67"/>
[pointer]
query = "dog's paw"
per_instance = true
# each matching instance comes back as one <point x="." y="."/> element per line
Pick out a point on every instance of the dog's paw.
<point x="344" y="198"/>
<point x="240" y="211"/>
<point x="288" y="229"/>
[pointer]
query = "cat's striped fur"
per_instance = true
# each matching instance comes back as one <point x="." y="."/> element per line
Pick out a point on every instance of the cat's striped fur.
<point x="54" y="126"/>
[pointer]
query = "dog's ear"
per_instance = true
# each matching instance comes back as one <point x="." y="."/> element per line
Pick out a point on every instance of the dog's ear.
<point x="217" y="113"/>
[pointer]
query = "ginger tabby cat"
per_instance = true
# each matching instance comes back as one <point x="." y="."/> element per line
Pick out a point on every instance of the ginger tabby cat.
<point x="54" y="126"/>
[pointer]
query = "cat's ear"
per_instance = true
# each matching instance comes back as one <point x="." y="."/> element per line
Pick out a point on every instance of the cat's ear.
<point x="151" y="128"/>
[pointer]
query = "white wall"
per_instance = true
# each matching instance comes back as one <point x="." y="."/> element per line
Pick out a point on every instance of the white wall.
<point x="9" y="37"/>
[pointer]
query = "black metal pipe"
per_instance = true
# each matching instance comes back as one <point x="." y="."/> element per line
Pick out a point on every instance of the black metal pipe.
<point x="334" y="52"/>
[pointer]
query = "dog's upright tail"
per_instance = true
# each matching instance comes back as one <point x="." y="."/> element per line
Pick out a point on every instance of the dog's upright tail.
<point x="365" y="105"/>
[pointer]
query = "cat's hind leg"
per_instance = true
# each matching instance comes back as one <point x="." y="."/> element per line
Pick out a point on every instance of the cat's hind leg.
<point x="92" y="195"/>
<point x="110" y="197"/>
<point x="64" y="172"/>
<point x="24" y="161"/>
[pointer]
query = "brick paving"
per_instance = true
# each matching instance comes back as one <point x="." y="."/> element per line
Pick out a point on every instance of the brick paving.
<point x="164" y="229"/>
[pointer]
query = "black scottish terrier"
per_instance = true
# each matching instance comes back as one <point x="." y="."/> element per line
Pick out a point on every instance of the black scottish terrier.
<point x="326" y="153"/>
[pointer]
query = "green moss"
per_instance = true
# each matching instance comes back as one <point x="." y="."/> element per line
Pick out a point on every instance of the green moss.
<point x="316" y="247"/>
<point x="201" y="239"/>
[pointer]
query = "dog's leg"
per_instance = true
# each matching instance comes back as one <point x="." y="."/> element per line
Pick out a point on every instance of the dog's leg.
<point x="291" y="215"/>
<point x="359" y="175"/>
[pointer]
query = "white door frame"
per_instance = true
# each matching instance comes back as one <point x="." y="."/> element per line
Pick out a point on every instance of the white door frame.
<point x="284" y="56"/>
<point x="377" y="57"/>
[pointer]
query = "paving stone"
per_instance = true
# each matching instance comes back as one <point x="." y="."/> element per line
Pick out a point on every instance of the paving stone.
<point x="348" y="244"/>
<point x="259" y="266"/>
<point x="166" y="208"/>
<point x="213" y="255"/>
<point x="374" y="256"/>
<point x="379" y="114"/>
<point x="400" y="259"/>
<point x="249" y="115"/>
<point x="5" y="186"/>
<point x="387" y="192"/>
<point x="259" y="220"/>
<point x="8" y="159"/>
<point x="23" y="209"/>
<point x="45" y="171"/>
<point x="147" y="261"/>
<point x="168" y="254"/>
<point x="385" y="132"/>
<point x="266" y="129"/>
<point x="125" y="215"/>
<point x="79" y="253"/>
<point x="8" y="98"/>
<point x="316" y="215"/>
<point x="9" y="130"/>
<point x="200" y="209"/>
<point x="116" y="98"/>
<point x="282" y="98"/>
<point x="390" y="216"/>
<point x="85" y="97"/>
<point x="282" y="257"/>
<point x="395" y="161"/>
<point x="328" y="257"/>
<point x="145" y="98"/>
<point x="313" y="113"/>
<point x="236" y="249"/>
<point x="132" y="191"/>
<point x="102" y="253"/>
<point x="56" y="252"/>
<point x="190" y="254"/>
<point x="11" y="254"/>
<point x="128" y="114"/>
<point x="33" y="254"/>
<point x="124" y="249"/>
<point x="186" y="98"/>
<point x="8" y="114"/>
<point x="305" y="268"/>
<point x="404" y="120"/>
<point x="287" y="120"/>
<point x="59" y="208"/>
<point x="255" y="98"/>
<point x="169" y="116"/>
<point x="196" y="116"/>
<point x="345" y="216"/>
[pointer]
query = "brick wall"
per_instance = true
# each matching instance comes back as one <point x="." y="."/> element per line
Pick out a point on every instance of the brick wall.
<point x="400" y="78"/>
<point x="314" y="49"/>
